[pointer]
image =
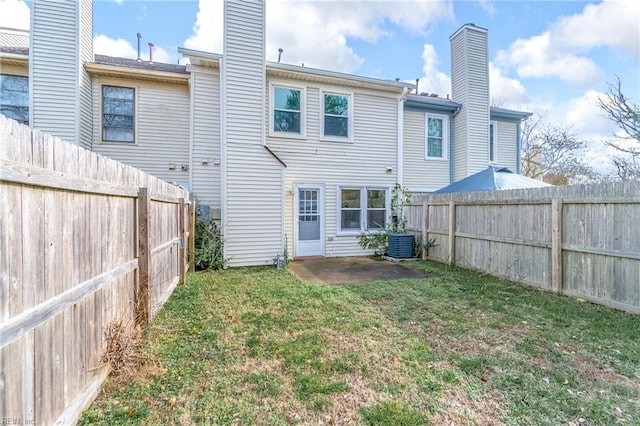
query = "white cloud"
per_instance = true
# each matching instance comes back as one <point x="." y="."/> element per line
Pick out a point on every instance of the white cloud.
<point x="585" y="116"/>
<point x="14" y="14"/>
<point x="504" y="89"/>
<point x="316" y="32"/>
<point x="559" y="51"/>
<point x="104" y="45"/>
<point x="487" y="6"/>
<point x="433" y="80"/>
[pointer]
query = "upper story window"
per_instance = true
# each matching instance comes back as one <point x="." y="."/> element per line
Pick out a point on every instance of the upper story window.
<point x="337" y="116"/>
<point x="14" y="97"/>
<point x="363" y="209"/>
<point x="118" y="114"/>
<point x="493" y="141"/>
<point x="287" y="110"/>
<point x="436" y="136"/>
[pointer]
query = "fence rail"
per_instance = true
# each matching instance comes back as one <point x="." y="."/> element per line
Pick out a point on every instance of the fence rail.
<point x="85" y="243"/>
<point x="578" y="240"/>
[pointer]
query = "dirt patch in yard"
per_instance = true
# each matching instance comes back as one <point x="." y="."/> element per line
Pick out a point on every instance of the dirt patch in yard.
<point x="352" y="270"/>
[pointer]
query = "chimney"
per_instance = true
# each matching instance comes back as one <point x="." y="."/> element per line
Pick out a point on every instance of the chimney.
<point x="470" y="87"/>
<point x="59" y="84"/>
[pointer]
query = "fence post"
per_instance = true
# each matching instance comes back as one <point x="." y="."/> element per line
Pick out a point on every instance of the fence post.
<point x="192" y="234"/>
<point x="556" y="245"/>
<point x="425" y="229"/>
<point x="144" y="259"/>
<point x="181" y="250"/>
<point x="452" y="232"/>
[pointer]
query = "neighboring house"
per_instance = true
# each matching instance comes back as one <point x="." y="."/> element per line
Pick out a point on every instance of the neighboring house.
<point x="282" y="155"/>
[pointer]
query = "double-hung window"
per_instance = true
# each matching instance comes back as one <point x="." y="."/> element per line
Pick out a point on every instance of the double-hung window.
<point x="436" y="138"/>
<point x="118" y="114"/>
<point x="493" y="141"/>
<point x="287" y="111"/>
<point x="363" y="208"/>
<point x="14" y="97"/>
<point x="337" y="116"/>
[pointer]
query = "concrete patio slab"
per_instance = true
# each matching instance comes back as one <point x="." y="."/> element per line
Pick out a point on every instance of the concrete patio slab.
<point x="352" y="270"/>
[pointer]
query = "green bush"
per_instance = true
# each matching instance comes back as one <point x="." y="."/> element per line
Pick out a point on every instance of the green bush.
<point x="208" y="244"/>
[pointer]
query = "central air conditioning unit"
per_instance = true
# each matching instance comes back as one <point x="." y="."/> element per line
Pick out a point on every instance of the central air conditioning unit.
<point x="400" y="246"/>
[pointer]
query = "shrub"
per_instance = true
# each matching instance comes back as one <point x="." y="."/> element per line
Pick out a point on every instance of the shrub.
<point x="208" y="244"/>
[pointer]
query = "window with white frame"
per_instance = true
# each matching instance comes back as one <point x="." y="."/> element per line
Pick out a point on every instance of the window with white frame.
<point x="14" y="97"/>
<point x="287" y="107"/>
<point x="436" y="136"/>
<point x="363" y="208"/>
<point x="493" y="141"/>
<point x="336" y="118"/>
<point x="118" y="114"/>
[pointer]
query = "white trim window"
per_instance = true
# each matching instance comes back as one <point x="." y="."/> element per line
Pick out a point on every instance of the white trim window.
<point x="362" y="208"/>
<point x="436" y="136"/>
<point x="118" y="114"/>
<point x="493" y="141"/>
<point x="337" y="116"/>
<point x="287" y="111"/>
<point x="14" y="97"/>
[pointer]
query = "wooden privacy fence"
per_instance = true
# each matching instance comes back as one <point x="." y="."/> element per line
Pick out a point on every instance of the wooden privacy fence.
<point x="85" y="243"/>
<point x="581" y="240"/>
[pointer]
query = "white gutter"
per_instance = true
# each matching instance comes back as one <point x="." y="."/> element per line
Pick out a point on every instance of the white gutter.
<point x="223" y="152"/>
<point x="400" y="137"/>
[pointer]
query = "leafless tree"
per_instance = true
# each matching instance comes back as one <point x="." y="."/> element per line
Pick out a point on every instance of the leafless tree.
<point x="551" y="151"/>
<point x="625" y="113"/>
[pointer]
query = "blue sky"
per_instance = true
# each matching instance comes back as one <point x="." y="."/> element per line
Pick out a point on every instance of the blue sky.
<point x="553" y="58"/>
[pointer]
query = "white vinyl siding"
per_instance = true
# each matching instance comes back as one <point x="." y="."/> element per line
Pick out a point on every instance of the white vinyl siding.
<point x="417" y="171"/>
<point x="470" y="87"/>
<point x="507" y="154"/>
<point x="162" y="130"/>
<point x="436" y="138"/>
<point x="85" y="55"/>
<point x="252" y="217"/>
<point x="362" y="163"/>
<point x="206" y="137"/>
<point x="57" y="78"/>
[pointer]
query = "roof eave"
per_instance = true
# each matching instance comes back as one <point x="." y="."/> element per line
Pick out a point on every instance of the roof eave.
<point x="14" y="59"/>
<point x="431" y="104"/>
<point x="201" y="58"/>
<point x="507" y="114"/>
<point x="331" y="77"/>
<point x="103" y="70"/>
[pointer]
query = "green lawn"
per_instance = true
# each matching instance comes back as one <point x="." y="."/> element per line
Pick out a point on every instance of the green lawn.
<point x="259" y="346"/>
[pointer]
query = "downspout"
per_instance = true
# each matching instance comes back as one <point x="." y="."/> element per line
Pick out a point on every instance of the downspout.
<point x="451" y="150"/>
<point x="518" y="164"/>
<point x="400" y="149"/>
<point x="223" y="152"/>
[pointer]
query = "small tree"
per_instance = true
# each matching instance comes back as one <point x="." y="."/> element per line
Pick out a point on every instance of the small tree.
<point x="625" y="113"/>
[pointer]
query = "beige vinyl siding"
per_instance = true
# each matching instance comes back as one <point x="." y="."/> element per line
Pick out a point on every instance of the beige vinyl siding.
<point x="206" y="136"/>
<point x="507" y="148"/>
<point x="56" y="53"/>
<point x="161" y="132"/>
<point x="85" y="55"/>
<point x="360" y="163"/>
<point x="252" y="217"/>
<point x="417" y="171"/>
<point x="14" y="70"/>
<point x="470" y="87"/>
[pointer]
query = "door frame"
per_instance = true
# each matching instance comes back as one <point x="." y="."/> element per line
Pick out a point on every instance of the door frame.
<point x="296" y="213"/>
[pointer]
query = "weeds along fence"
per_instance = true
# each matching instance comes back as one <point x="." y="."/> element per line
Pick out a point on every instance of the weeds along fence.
<point x="582" y="240"/>
<point x="85" y="243"/>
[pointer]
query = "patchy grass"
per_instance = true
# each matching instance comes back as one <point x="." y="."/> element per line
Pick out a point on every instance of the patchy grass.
<point x="259" y="346"/>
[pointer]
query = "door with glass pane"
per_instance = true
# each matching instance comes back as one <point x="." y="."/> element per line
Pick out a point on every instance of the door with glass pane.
<point x="309" y="221"/>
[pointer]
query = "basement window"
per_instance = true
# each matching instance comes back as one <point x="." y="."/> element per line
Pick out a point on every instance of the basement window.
<point x="118" y="114"/>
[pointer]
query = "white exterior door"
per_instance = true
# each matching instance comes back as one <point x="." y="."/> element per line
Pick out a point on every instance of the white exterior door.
<point x="309" y="217"/>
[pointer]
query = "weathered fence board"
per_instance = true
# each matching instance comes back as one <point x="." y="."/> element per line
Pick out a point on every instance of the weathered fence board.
<point x="71" y="266"/>
<point x="581" y="240"/>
